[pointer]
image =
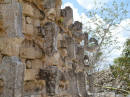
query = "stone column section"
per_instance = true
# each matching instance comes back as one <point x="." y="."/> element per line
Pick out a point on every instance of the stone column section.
<point x="12" y="70"/>
<point x="12" y="19"/>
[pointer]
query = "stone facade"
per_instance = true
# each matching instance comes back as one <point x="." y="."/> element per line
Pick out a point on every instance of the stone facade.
<point x="40" y="51"/>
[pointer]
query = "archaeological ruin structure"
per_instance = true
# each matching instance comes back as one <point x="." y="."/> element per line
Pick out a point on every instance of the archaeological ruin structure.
<point x="40" y="50"/>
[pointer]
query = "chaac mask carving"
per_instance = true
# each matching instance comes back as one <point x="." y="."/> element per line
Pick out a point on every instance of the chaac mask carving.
<point x="50" y="75"/>
<point x="50" y="31"/>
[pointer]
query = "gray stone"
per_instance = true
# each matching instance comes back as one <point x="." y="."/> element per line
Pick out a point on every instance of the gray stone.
<point x="90" y="45"/>
<point x="50" y="32"/>
<point x="12" y="70"/>
<point x="12" y="18"/>
<point x="49" y="4"/>
<point x="30" y="50"/>
<point x="50" y="74"/>
<point x="67" y="15"/>
<point x="70" y="47"/>
<point x="76" y="27"/>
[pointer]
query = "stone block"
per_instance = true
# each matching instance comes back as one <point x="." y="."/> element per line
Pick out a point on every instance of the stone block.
<point x="11" y="71"/>
<point x="60" y="36"/>
<point x="51" y="13"/>
<point x="51" y="31"/>
<point x="54" y="60"/>
<point x="28" y="9"/>
<point x="63" y="44"/>
<point x="28" y="29"/>
<point x="76" y="27"/>
<point x="34" y="86"/>
<point x="70" y="47"/>
<point x="30" y="53"/>
<point x="48" y="4"/>
<point x="67" y="14"/>
<point x="36" y="23"/>
<point x="30" y="74"/>
<point x="36" y="64"/>
<point x="36" y="96"/>
<point x="63" y="52"/>
<point x="30" y="50"/>
<point x="10" y="46"/>
<point x="12" y="19"/>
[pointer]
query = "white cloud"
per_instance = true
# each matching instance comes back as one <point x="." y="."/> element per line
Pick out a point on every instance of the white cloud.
<point x="76" y="15"/>
<point x="119" y="31"/>
<point x="90" y="4"/>
<point x="81" y="17"/>
<point x="122" y="31"/>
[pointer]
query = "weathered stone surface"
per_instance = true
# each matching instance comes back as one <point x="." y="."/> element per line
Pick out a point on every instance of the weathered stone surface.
<point x="11" y="71"/>
<point x="50" y="74"/>
<point x="37" y="64"/>
<point x="80" y="54"/>
<point x="51" y="50"/>
<point x="12" y="19"/>
<point x="30" y="74"/>
<point x="10" y="46"/>
<point x="76" y="27"/>
<point x="36" y="23"/>
<point x="0" y="58"/>
<point x="54" y="60"/>
<point x="90" y="45"/>
<point x="50" y="33"/>
<point x="63" y="52"/>
<point x="51" y="3"/>
<point x="28" y="64"/>
<point x="33" y="86"/>
<point x="67" y="15"/>
<point x="51" y="13"/>
<point x="70" y="47"/>
<point x="28" y="20"/>
<point x="73" y="88"/>
<point x="5" y="1"/>
<point x="28" y="29"/>
<point x="30" y="50"/>
<point x="82" y="84"/>
<point x="28" y="9"/>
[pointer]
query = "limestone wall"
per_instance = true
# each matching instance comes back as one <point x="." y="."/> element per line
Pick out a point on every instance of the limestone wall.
<point x="40" y="51"/>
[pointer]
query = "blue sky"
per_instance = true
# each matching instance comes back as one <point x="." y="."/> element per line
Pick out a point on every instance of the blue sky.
<point x="79" y="10"/>
<point x="82" y="7"/>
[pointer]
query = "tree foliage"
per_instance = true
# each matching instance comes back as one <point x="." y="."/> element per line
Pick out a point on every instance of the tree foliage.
<point x="121" y="69"/>
<point x="100" y="25"/>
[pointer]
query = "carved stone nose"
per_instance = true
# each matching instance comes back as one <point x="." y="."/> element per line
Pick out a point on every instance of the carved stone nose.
<point x="50" y="75"/>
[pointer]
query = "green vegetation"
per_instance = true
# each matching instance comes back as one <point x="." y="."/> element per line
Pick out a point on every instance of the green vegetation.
<point x="121" y="69"/>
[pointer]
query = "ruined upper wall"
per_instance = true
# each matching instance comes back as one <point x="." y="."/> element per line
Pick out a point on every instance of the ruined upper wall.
<point x="40" y="51"/>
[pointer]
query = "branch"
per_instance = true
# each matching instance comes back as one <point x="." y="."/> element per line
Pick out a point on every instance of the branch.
<point x="112" y="88"/>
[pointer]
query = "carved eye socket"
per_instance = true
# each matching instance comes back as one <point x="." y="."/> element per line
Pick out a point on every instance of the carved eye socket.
<point x="86" y="60"/>
<point x="93" y="40"/>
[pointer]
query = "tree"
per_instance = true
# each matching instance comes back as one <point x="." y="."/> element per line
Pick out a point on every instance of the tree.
<point x="121" y="68"/>
<point x="100" y="25"/>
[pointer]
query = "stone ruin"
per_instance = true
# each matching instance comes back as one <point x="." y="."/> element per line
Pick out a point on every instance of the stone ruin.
<point x="40" y="50"/>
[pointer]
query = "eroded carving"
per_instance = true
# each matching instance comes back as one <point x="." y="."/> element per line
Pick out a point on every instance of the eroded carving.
<point x="50" y="32"/>
<point x="50" y="75"/>
<point x="90" y="45"/>
<point x="67" y="15"/>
